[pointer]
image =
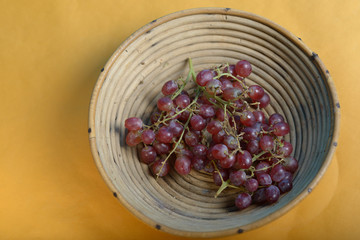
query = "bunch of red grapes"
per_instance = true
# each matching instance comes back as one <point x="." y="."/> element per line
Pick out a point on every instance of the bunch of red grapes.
<point x="218" y="127"/>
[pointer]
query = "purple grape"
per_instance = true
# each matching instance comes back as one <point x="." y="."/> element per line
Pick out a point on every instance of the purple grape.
<point x="133" y="124"/>
<point x="285" y="186"/>
<point x="237" y="177"/>
<point x="243" y="68"/>
<point x="243" y="200"/>
<point x="277" y="173"/>
<point x="197" y="122"/>
<point x="264" y="179"/>
<point x="183" y="165"/>
<point x="148" y="154"/>
<point x="148" y="136"/>
<point x="251" y="184"/>
<point x="272" y="194"/>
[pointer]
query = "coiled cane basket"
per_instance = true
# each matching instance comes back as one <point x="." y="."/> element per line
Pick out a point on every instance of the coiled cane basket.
<point x="129" y="85"/>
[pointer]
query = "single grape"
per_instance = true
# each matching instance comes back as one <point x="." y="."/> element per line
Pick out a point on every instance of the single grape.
<point x="247" y="118"/>
<point x="191" y="138"/>
<point x="161" y="148"/>
<point x="243" y="200"/>
<point x="243" y="68"/>
<point x="207" y="111"/>
<point x="264" y="101"/>
<point x="148" y="154"/>
<point x="285" y="185"/>
<point x="216" y="176"/>
<point x="160" y="168"/>
<point x="250" y="133"/>
<point x="237" y="177"/>
<point x="165" y="104"/>
<point x="275" y="118"/>
<point x="200" y="150"/>
<point x="214" y="126"/>
<point x="148" y="136"/>
<point x="286" y="149"/>
<point x="220" y="151"/>
<point x="227" y="162"/>
<point x="281" y="129"/>
<point x="176" y="128"/>
<point x="262" y="167"/>
<point x="264" y="179"/>
<point x="231" y="142"/>
<point x="256" y="92"/>
<point x="290" y="164"/>
<point x="277" y="173"/>
<point x="204" y="76"/>
<point x="253" y="147"/>
<point x="182" y="101"/>
<point x="259" y="116"/>
<point x="218" y="137"/>
<point x="272" y="194"/>
<point x="266" y="143"/>
<point x="169" y="88"/>
<point x="133" y="124"/>
<point x="164" y="135"/>
<point x="243" y="160"/>
<point x="182" y="165"/>
<point x="197" y="122"/>
<point x="231" y="94"/>
<point x="199" y="162"/>
<point x="133" y="138"/>
<point x="251" y="184"/>
<point x="213" y="87"/>
<point x="259" y="196"/>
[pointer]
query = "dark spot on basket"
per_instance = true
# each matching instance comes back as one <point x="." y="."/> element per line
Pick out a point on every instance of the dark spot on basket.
<point x="335" y="144"/>
<point x="240" y="230"/>
<point x="314" y="56"/>
<point x="115" y="194"/>
<point x="115" y="161"/>
<point x="157" y="226"/>
<point x="102" y="70"/>
<point x="147" y="32"/>
<point x="89" y="130"/>
<point x="141" y="82"/>
<point x="227" y="9"/>
<point x="153" y="21"/>
<point x="117" y="130"/>
<point x="309" y="190"/>
<point x="327" y="71"/>
<point x="300" y="39"/>
<point x="142" y="63"/>
<point x="338" y="105"/>
<point x="110" y="130"/>
<point x="154" y="44"/>
<point x="126" y="50"/>
<point x="116" y="117"/>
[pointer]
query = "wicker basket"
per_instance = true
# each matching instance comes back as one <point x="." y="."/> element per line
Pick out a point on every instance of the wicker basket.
<point x="130" y="84"/>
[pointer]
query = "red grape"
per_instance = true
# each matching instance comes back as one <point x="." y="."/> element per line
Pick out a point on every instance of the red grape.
<point x="148" y="154"/>
<point x="220" y="151"/>
<point x="160" y="167"/>
<point x="243" y="68"/>
<point x="169" y="88"/>
<point x="182" y="101"/>
<point x="264" y="101"/>
<point x="237" y="177"/>
<point x="133" y="138"/>
<point x="266" y="143"/>
<point x="165" y="104"/>
<point x="204" y="76"/>
<point x="133" y="124"/>
<point x="243" y="200"/>
<point x="256" y="92"/>
<point x="164" y="135"/>
<point x="197" y="122"/>
<point x="182" y="165"/>
<point x="272" y="194"/>
<point x="281" y="129"/>
<point x="251" y="184"/>
<point x="148" y="136"/>
<point x="290" y="164"/>
<point x="243" y="160"/>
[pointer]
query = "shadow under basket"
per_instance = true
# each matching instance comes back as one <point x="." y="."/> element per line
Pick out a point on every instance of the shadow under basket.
<point x="298" y="83"/>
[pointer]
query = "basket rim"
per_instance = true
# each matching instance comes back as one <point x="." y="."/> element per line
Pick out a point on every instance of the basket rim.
<point x="212" y="10"/>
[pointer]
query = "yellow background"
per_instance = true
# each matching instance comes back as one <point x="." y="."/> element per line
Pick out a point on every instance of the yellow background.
<point x="51" y="53"/>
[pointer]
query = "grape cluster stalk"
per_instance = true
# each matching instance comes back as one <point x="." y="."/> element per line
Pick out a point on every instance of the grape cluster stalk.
<point x="218" y="127"/>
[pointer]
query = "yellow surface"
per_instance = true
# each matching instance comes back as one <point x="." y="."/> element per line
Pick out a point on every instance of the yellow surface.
<point x="51" y="53"/>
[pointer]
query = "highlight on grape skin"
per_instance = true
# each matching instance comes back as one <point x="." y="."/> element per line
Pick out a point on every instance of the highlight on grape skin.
<point x="219" y="129"/>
